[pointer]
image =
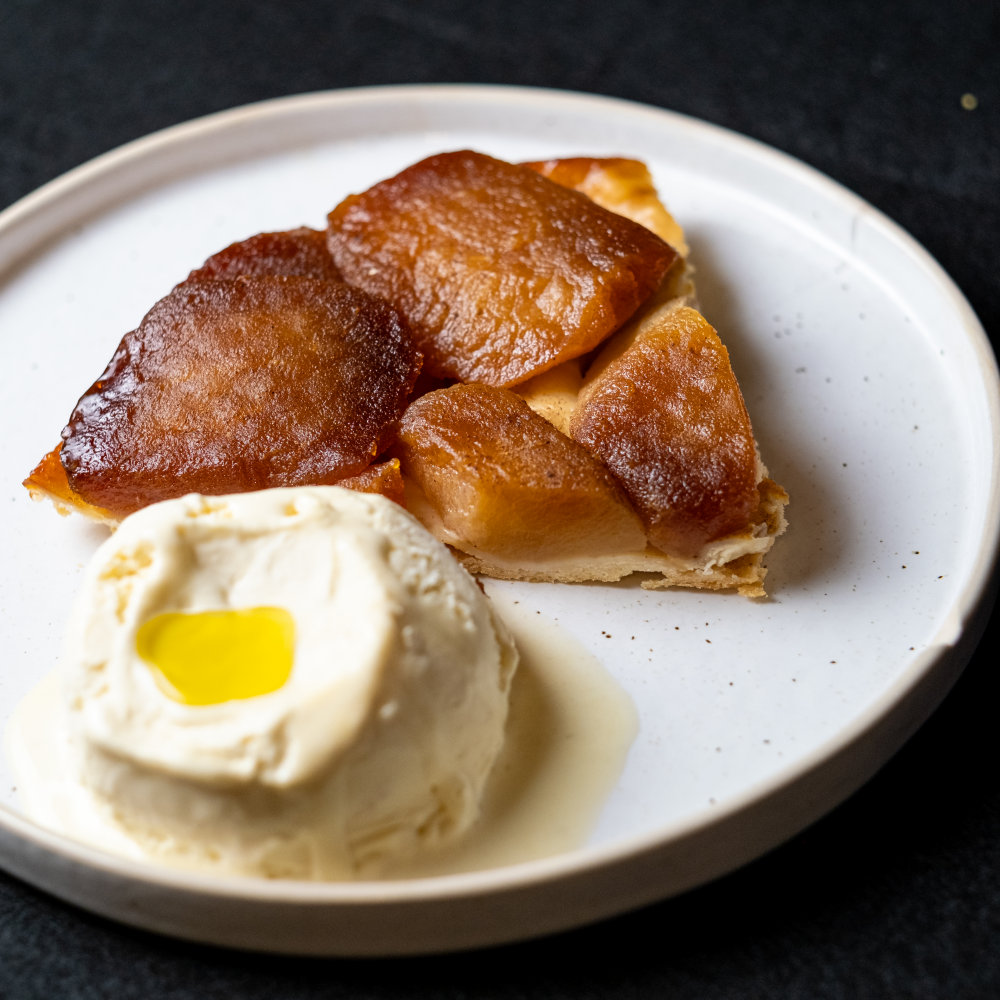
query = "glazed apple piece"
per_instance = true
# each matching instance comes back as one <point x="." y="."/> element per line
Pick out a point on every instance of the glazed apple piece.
<point x="229" y="386"/>
<point x="662" y="409"/>
<point x="301" y="252"/>
<point x="492" y="478"/>
<point x="501" y="273"/>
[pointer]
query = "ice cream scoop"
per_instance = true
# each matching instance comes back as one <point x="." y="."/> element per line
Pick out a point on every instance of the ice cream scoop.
<point x="296" y="682"/>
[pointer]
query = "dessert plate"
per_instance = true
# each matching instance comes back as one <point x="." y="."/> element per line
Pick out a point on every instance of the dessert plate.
<point x="874" y="395"/>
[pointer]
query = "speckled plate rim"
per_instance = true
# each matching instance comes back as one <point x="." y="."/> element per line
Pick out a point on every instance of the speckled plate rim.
<point x="500" y="905"/>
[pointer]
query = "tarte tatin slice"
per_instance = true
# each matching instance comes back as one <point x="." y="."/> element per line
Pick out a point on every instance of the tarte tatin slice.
<point x="578" y="419"/>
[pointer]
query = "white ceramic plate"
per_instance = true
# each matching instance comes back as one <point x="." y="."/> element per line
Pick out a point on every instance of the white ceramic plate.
<point x="873" y="392"/>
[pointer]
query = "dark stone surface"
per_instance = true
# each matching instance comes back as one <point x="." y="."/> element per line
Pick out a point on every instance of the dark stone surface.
<point x="897" y="892"/>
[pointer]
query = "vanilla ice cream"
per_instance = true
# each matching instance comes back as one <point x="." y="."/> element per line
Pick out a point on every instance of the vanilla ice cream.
<point x="292" y="683"/>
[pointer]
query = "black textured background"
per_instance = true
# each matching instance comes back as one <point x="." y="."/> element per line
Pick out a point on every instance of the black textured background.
<point x="896" y="894"/>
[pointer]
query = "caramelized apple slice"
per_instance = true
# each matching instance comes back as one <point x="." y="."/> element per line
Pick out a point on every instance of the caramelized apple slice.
<point x="228" y="386"/>
<point x="301" y="252"/>
<point x="491" y="477"/>
<point x="501" y="273"/>
<point x="665" y="414"/>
